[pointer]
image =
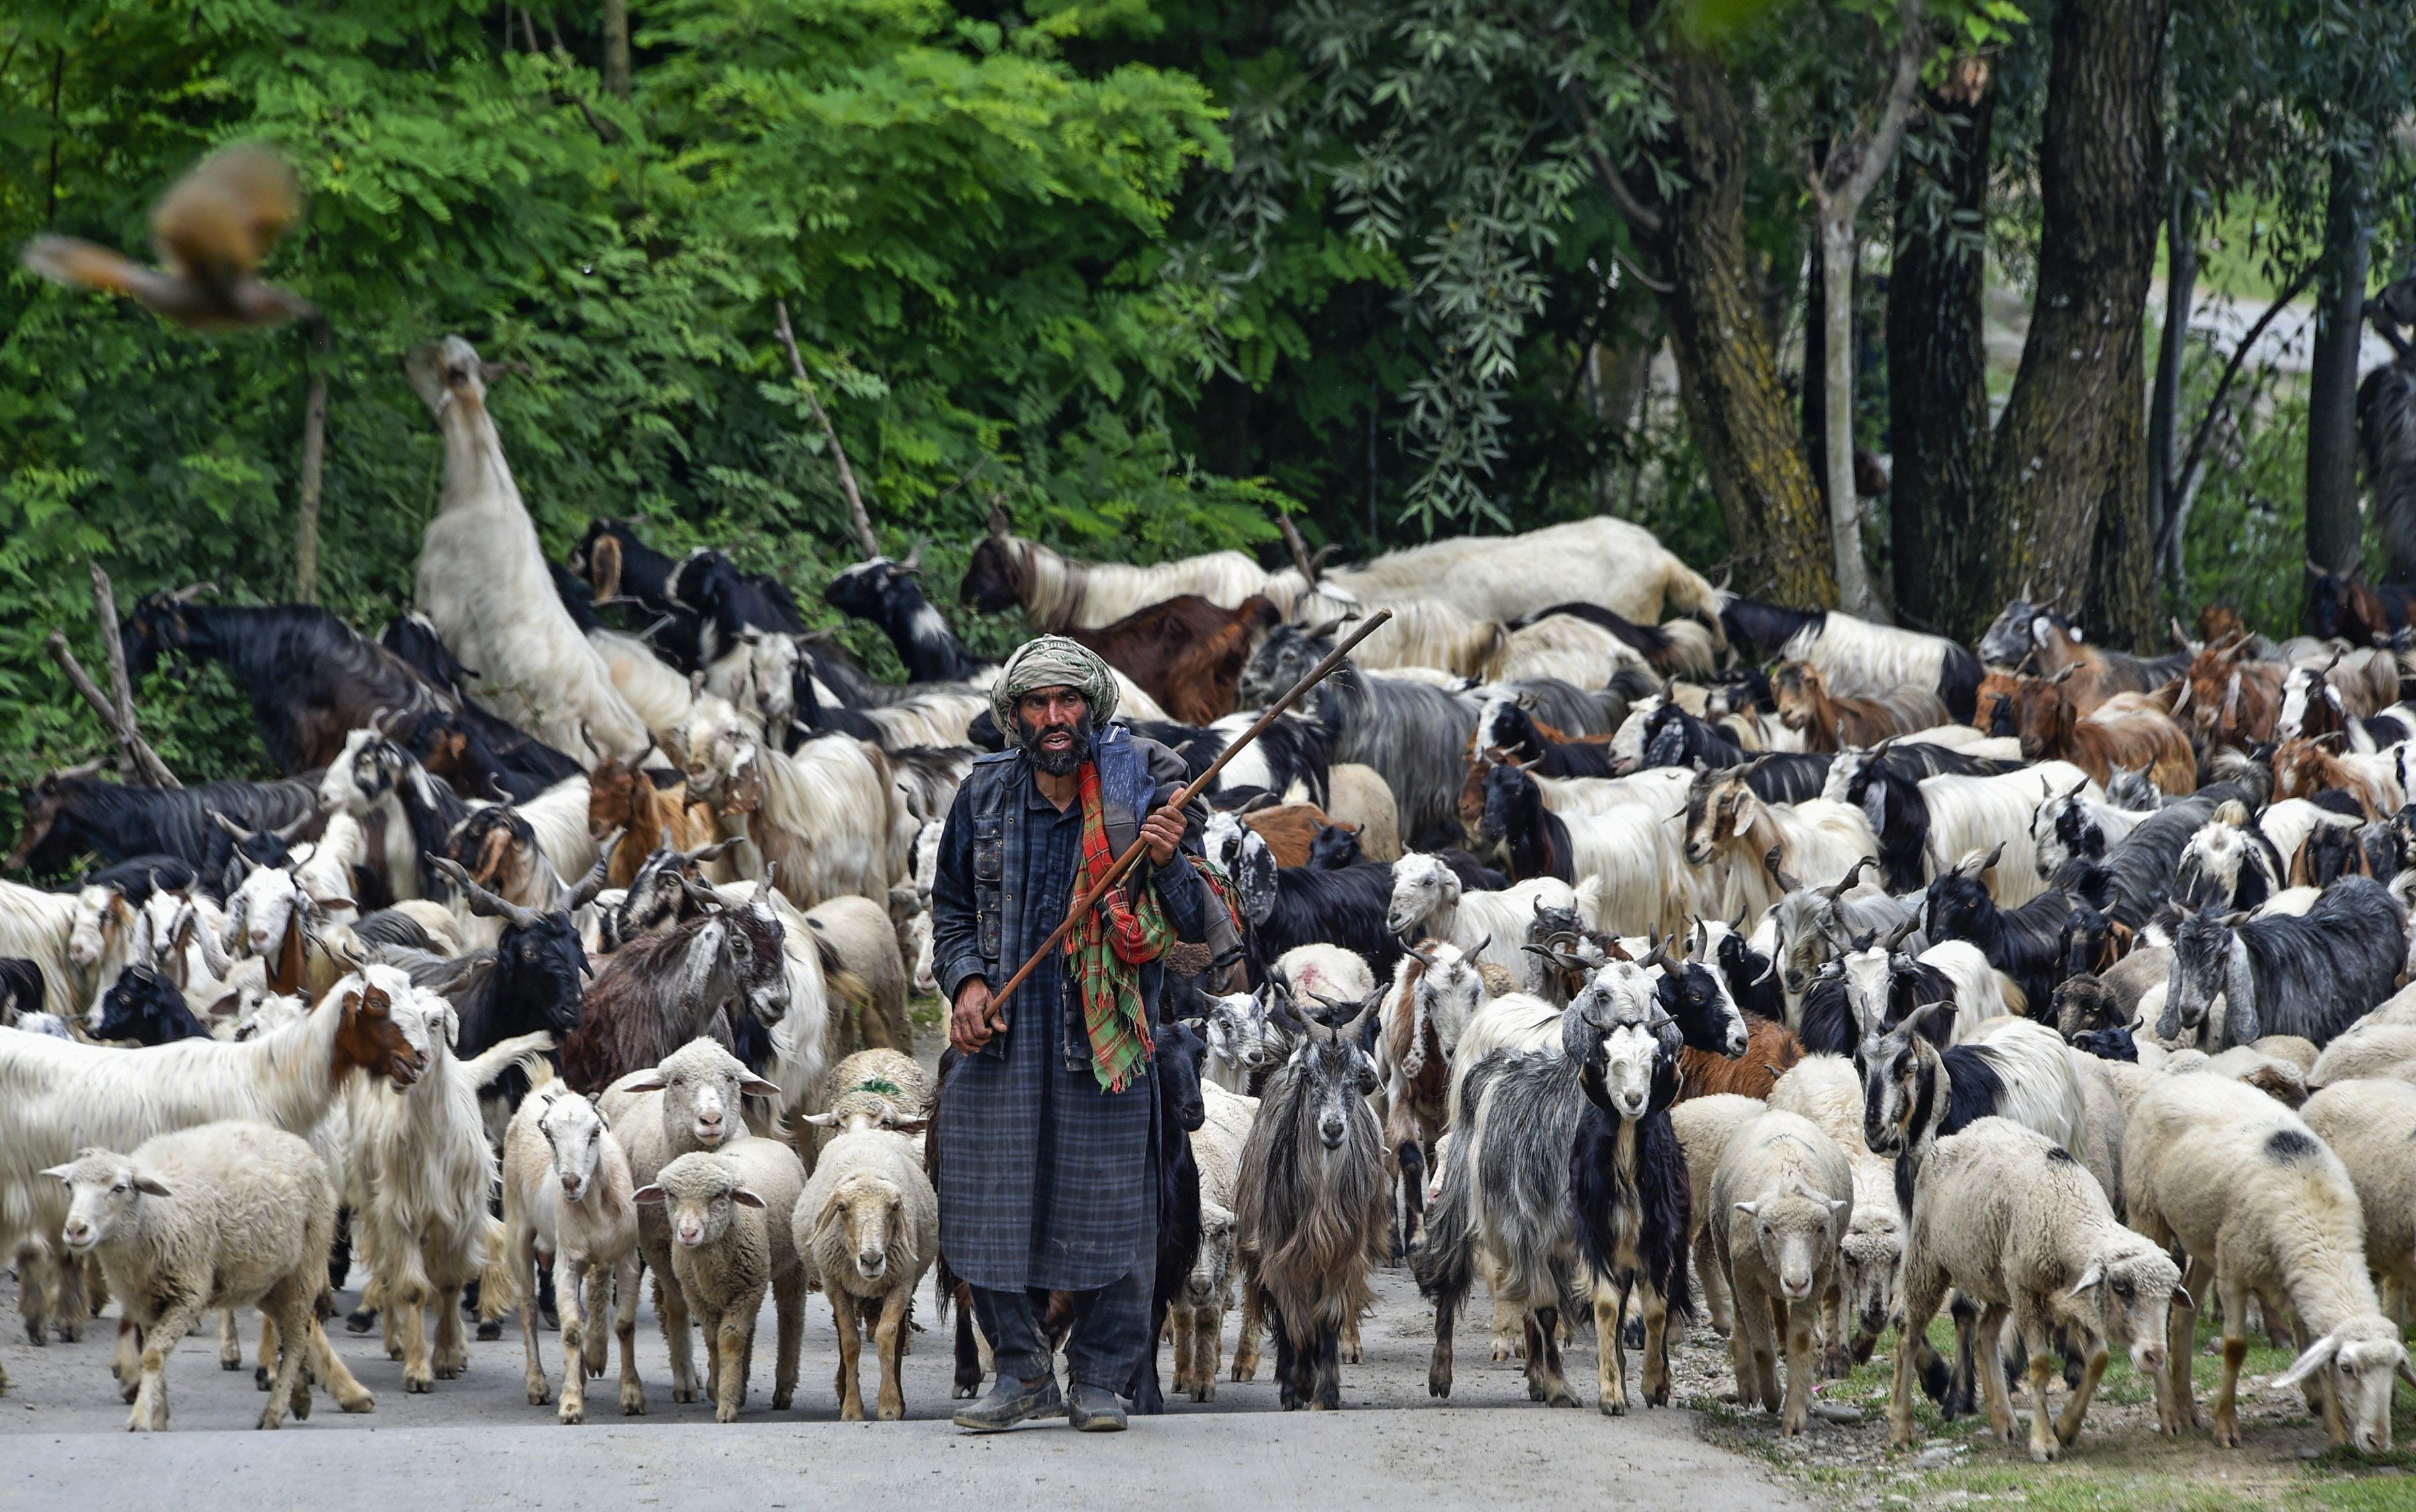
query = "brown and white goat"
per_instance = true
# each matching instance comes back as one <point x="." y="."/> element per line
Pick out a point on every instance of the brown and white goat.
<point x="2231" y="701"/>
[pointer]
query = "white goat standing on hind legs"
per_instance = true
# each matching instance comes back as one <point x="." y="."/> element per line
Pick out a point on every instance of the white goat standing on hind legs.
<point x="483" y="580"/>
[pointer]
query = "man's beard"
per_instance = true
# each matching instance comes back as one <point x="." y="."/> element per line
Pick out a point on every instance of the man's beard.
<point x="1056" y="763"/>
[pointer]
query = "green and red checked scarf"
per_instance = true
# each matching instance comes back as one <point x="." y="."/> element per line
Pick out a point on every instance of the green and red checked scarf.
<point x="1107" y="946"/>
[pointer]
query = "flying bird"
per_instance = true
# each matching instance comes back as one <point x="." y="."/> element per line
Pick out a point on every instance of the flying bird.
<point x="211" y="229"/>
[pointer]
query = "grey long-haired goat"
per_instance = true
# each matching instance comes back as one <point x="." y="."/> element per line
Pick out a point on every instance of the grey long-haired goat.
<point x="1506" y="1192"/>
<point x="2309" y="977"/>
<point x="1311" y="1205"/>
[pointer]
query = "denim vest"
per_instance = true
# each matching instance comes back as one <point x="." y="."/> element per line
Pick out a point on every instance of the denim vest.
<point x="997" y="814"/>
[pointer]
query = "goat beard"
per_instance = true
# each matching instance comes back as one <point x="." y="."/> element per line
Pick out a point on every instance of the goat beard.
<point x="1055" y="762"/>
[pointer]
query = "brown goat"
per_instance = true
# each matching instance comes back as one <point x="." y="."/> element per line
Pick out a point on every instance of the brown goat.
<point x="1186" y="653"/>
<point x="1290" y="830"/>
<point x="1995" y="686"/>
<point x="1829" y="722"/>
<point x="2093" y="673"/>
<point x="2302" y="768"/>
<point x="1770" y="1050"/>
<point x="2130" y="730"/>
<point x="653" y="809"/>
<point x="2229" y="701"/>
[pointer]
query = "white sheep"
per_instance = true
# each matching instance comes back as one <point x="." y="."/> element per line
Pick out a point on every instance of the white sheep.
<point x="2371" y="1125"/>
<point x="2008" y="1217"/>
<point x="229" y="1215"/>
<point x="689" y="1101"/>
<point x="1780" y="1200"/>
<point x="729" y="1213"/>
<point x="2265" y="1210"/>
<point x="419" y="1173"/>
<point x="867" y="1228"/>
<point x="569" y="1203"/>
<point x="1825" y="1090"/>
<point x="2368" y="1049"/>
<point x="1704" y="1127"/>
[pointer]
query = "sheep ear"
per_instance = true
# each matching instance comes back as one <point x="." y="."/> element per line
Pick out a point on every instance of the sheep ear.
<point x="755" y="1086"/>
<point x="1749" y="1209"/>
<point x="2089" y="1277"/>
<point x="823" y="1120"/>
<point x="65" y="1173"/>
<point x="151" y="1186"/>
<point x="648" y="1193"/>
<point x="2319" y="1354"/>
<point x="646" y="1081"/>
<point x="746" y="1198"/>
<point x="910" y="1125"/>
<point x="2182" y="1298"/>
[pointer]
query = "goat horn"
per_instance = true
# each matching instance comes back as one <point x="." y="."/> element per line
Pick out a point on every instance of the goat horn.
<point x="1844" y="884"/>
<point x="1911" y="922"/>
<point x="1779" y="875"/>
<point x="481" y="900"/>
<point x="1991" y="861"/>
<point x="237" y="831"/>
<point x="1658" y="955"/>
<point x="1481" y="946"/>
<point x="592" y="883"/>
<point x="1414" y="951"/>
<point x="913" y="561"/>
<point x="587" y="738"/>
<point x="187" y="594"/>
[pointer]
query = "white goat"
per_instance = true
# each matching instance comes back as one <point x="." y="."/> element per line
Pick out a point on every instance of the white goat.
<point x="1430" y="900"/>
<point x="568" y="1201"/>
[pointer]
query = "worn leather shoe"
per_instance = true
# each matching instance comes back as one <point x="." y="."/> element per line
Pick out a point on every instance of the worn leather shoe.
<point x="1094" y="1410"/>
<point x="1013" y="1401"/>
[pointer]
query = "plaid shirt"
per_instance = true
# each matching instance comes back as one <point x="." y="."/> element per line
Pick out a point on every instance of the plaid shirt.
<point x="1044" y="1179"/>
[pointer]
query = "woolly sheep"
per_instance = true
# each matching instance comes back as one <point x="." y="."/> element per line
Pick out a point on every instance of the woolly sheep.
<point x="2265" y="1210"/>
<point x="1704" y="1126"/>
<point x="229" y="1215"/>
<point x="688" y="1102"/>
<point x="1824" y="1089"/>
<point x="567" y="1201"/>
<point x="2372" y="1126"/>
<point x="2009" y="1218"/>
<point x="2369" y="1049"/>
<point x="867" y="1228"/>
<point x="729" y="1211"/>
<point x="1780" y="1200"/>
<point x="1358" y="795"/>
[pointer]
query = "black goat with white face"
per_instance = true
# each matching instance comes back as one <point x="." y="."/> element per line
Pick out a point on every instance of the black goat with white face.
<point x="2310" y="977"/>
<point x="1308" y="1206"/>
<point x="890" y="595"/>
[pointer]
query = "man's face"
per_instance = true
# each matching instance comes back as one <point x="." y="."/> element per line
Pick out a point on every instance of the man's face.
<point x="1053" y="727"/>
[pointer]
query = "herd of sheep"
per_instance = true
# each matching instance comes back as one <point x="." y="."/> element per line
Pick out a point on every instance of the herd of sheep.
<point x="1765" y="968"/>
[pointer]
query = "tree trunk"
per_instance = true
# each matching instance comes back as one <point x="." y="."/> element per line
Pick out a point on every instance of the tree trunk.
<point x="2164" y="515"/>
<point x="1938" y="363"/>
<point x="1854" y="595"/>
<point x="1728" y="371"/>
<point x="2064" y="499"/>
<point x="616" y="48"/>
<point x="314" y="463"/>
<point x="1813" y="397"/>
<point x="2333" y="528"/>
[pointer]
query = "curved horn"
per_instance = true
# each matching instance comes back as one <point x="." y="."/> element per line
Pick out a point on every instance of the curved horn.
<point x="1658" y="955"/>
<point x="234" y="829"/>
<point x="1993" y="858"/>
<point x="481" y="900"/>
<point x="592" y="883"/>
<point x="913" y="561"/>
<point x="1481" y="946"/>
<point x="1896" y="936"/>
<point x="1844" y="884"/>
<point x="1786" y="880"/>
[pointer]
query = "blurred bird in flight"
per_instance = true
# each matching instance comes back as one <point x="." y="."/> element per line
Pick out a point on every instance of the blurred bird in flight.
<point x="211" y="229"/>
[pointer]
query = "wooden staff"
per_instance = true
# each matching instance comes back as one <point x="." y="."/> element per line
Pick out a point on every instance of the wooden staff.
<point x="1197" y="786"/>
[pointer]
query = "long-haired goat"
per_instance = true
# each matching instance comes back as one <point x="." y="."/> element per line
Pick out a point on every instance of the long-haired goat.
<point x="2130" y="730"/>
<point x="1744" y="843"/>
<point x="1833" y="721"/>
<point x="2310" y="977"/>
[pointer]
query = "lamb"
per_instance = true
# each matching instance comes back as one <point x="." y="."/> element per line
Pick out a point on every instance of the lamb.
<point x="567" y="1201"/>
<point x="418" y="1178"/>
<point x="1825" y="1090"/>
<point x="1704" y="1127"/>
<point x="2265" y="1210"/>
<point x="867" y="1227"/>
<point x="1780" y="1200"/>
<point x="2010" y="1219"/>
<point x="2369" y="1124"/>
<point x="729" y="1213"/>
<point x="483" y="583"/>
<point x="228" y="1214"/>
<point x="688" y="1102"/>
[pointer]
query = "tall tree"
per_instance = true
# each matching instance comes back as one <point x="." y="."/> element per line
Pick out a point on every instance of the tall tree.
<point x="2064" y="501"/>
<point x="2333" y="528"/>
<point x="1937" y="361"/>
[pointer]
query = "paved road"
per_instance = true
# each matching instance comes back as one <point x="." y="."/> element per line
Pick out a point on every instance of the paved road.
<point x="477" y="1442"/>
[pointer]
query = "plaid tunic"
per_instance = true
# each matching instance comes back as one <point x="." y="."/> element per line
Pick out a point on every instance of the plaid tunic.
<point x="1044" y="1179"/>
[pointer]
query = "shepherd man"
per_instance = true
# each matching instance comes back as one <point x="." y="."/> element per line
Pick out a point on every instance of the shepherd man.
<point x="1048" y="1165"/>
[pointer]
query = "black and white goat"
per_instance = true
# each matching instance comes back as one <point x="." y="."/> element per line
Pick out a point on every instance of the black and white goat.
<point x="2311" y="976"/>
<point x="1415" y="735"/>
<point x="2025" y="942"/>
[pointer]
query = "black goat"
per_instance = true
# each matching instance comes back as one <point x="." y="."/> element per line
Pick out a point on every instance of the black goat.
<point x="1510" y="730"/>
<point x="1302" y="905"/>
<point x="137" y="877"/>
<point x="2027" y="943"/>
<point x="531" y="980"/>
<point x="476" y="750"/>
<point x="1653" y="643"/>
<point x="1415" y="736"/>
<point x="146" y="1007"/>
<point x="620" y="568"/>
<point x="71" y="812"/>
<point x="2311" y="976"/>
<point x="890" y="595"/>
<point x="21" y="989"/>
<point x="1174" y="1065"/>
<point x="1336" y="846"/>
<point x="1673" y="737"/>
<point x="2130" y="877"/>
<point x="1532" y="841"/>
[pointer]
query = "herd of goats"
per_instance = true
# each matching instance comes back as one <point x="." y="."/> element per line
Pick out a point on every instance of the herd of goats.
<point x="1823" y="972"/>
